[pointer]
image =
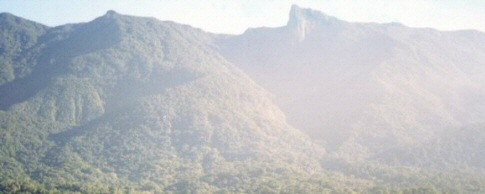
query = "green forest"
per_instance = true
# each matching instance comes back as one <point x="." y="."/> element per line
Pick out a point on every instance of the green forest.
<point x="125" y="104"/>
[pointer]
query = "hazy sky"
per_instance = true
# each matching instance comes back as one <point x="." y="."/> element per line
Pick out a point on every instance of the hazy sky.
<point x="234" y="17"/>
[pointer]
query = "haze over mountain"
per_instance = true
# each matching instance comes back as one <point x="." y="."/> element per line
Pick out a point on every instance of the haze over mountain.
<point x="366" y="84"/>
<point x="132" y="104"/>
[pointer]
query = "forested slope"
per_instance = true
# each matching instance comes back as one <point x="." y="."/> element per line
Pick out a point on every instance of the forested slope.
<point x="126" y="104"/>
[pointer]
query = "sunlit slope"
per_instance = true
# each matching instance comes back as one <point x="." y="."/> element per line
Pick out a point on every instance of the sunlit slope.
<point x="133" y="103"/>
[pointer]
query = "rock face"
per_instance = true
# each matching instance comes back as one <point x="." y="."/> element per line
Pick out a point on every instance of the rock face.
<point x="302" y="21"/>
<point x="366" y="85"/>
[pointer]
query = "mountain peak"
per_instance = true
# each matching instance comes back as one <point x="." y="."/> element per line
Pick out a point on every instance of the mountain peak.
<point x="11" y="22"/>
<point x="5" y="16"/>
<point x="302" y="20"/>
<point x="297" y="13"/>
<point x="111" y="13"/>
<point x="8" y="17"/>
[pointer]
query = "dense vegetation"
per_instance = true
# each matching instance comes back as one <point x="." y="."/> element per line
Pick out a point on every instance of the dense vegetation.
<point x="130" y="105"/>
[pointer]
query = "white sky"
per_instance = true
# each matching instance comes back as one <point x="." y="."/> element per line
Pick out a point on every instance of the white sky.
<point x="235" y="16"/>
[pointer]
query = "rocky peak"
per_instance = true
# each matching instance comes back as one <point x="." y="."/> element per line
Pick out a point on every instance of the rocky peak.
<point x="302" y="20"/>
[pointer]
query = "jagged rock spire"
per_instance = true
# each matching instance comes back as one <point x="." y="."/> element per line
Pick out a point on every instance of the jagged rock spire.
<point x="302" y="20"/>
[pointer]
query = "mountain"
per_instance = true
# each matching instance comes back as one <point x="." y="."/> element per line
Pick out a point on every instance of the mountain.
<point x="388" y="102"/>
<point x="125" y="104"/>
<point x="134" y="104"/>
<point x="16" y="36"/>
<point x="366" y="85"/>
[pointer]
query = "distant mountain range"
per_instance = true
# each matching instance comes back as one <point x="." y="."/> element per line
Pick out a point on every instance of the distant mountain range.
<point x="127" y="104"/>
<point x="376" y="85"/>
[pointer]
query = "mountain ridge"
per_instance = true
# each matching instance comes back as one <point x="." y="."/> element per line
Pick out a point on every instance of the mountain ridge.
<point x="134" y="104"/>
<point x="385" y="84"/>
